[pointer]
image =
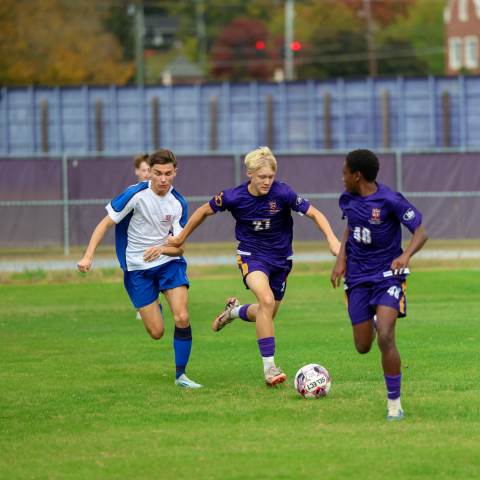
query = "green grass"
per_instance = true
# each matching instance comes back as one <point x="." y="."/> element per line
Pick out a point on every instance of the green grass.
<point x="84" y="392"/>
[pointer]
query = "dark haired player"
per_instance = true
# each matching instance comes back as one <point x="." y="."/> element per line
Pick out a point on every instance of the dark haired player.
<point x="144" y="216"/>
<point x="373" y="263"/>
<point x="262" y="209"/>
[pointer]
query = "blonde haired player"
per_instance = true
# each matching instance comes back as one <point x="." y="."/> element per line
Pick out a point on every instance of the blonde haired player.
<point x="264" y="229"/>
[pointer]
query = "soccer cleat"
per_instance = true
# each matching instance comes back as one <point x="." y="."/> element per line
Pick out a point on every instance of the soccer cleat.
<point x="184" y="382"/>
<point x="225" y="317"/>
<point x="395" y="414"/>
<point x="274" y="376"/>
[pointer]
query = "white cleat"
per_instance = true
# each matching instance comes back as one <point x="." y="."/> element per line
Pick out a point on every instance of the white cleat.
<point x="225" y="317"/>
<point x="274" y="376"/>
<point x="395" y="414"/>
<point x="184" y="382"/>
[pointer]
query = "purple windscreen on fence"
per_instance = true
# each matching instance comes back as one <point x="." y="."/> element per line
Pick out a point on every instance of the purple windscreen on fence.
<point x="31" y="179"/>
<point x="204" y="176"/>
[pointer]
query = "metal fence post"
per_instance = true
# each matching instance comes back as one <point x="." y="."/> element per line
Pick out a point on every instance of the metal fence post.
<point x="398" y="170"/>
<point x="237" y="165"/>
<point x="65" y="204"/>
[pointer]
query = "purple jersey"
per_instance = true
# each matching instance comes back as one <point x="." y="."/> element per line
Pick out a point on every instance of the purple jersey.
<point x="264" y="223"/>
<point x="375" y="233"/>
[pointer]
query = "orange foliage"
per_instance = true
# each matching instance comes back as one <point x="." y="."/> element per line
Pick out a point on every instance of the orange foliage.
<point x="58" y="42"/>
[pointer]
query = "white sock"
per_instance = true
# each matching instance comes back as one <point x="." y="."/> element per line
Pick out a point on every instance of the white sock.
<point x="235" y="312"/>
<point x="394" y="405"/>
<point x="268" y="362"/>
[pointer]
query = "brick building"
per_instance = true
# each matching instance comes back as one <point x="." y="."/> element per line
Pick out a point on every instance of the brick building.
<point x="462" y="36"/>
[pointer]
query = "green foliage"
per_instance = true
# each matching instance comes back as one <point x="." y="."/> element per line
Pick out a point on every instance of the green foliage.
<point x="421" y="30"/>
<point x="88" y="395"/>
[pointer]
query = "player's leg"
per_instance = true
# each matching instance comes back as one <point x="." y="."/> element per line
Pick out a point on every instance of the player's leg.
<point x="391" y="304"/>
<point x="143" y="292"/>
<point x="391" y="363"/>
<point x="361" y="315"/>
<point x="258" y="282"/>
<point x="153" y="319"/>
<point x="248" y="312"/>
<point x="177" y="299"/>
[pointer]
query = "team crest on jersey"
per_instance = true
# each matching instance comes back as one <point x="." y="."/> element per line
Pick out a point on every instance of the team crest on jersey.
<point x="168" y="218"/>
<point x="375" y="217"/>
<point x="272" y="207"/>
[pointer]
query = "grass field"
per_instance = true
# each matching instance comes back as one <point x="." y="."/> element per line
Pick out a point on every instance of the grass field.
<point x="84" y="392"/>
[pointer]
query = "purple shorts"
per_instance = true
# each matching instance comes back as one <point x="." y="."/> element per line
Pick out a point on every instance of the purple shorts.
<point x="363" y="299"/>
<point x="277" y="273"/>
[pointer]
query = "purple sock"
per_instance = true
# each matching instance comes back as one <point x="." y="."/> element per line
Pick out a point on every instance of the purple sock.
<point x="393" y="383"/>
<point x="266" y="346"/>
<point x="242" y="313"/>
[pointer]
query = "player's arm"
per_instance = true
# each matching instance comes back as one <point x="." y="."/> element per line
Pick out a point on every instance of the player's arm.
<point x="416" y="243"/>
<point x="85" y="263"/>
<point x="340" y="265"/>
<point x="200" y="214"/>
<point x="153" y="253"/>
<point x="322" y="223"/>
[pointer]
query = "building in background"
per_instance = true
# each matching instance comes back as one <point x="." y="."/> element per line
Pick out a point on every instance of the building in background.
<point x="462" y="36"/>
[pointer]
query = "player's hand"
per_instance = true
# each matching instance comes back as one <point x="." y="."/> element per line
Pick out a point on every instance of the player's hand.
<point x="85" y="264"/>
<point x="338" y="272"/>
<point x="399" y="263"/>
<point x="152" y="253"/>
<point x="174" y="241"/>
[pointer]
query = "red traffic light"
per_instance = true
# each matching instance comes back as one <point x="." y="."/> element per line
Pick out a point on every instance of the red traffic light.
<point x="260" y="45"/>
<point x="295" y="46"/>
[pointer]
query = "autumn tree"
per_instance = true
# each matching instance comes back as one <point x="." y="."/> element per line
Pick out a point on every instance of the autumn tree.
<point x="58" y="42"/>
<point x="244" y="50"/>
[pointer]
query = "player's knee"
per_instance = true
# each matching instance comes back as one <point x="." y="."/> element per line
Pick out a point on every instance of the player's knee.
<point x="182" y="319"/>
<point x="267" y="302"/>
<point x="385" y="341"/>
<point x="362" y="347"/>
<point x="155" y="332"/>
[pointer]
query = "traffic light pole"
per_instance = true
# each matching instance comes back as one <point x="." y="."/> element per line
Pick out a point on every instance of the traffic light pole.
<point x="288" y="60"/>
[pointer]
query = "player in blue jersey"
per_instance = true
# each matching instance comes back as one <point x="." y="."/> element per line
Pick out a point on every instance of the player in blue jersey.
<point x="144" y="216"/>
<point x="374" y="265"/>
<point x="264" y="229"/>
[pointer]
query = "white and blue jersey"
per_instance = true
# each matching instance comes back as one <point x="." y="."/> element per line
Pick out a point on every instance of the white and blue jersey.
<point x="145" y="219"/>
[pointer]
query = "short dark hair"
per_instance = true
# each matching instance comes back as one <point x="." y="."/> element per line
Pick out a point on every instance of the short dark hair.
<point x="365" y="162"/>
<point x="162" y="157"/>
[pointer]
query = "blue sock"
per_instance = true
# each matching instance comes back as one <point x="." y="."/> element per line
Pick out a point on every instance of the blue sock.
<point x="393" y="384"/>
<point x="182" y="345"/>
<point x="266" y="346"/>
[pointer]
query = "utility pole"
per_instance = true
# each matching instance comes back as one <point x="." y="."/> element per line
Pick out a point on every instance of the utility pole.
<point x="139" y="43"/>
<point x="288" y="60"/>
<point x="201" y="33"/>
<point x="371" y="51"/>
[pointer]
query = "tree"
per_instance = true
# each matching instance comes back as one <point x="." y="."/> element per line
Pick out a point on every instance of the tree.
<point x="57" y="42"/>
<point x="421" y="31"/>
<point x="244" y="50"/>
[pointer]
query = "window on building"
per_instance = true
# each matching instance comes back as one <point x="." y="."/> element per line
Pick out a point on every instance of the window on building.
<point x="471" y="51"/>
<point x="455" y="53"/>
<point x="463" y="10"/>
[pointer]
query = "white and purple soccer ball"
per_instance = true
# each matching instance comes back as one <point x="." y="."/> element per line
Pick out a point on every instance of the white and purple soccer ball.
<point x="312" y="381"/>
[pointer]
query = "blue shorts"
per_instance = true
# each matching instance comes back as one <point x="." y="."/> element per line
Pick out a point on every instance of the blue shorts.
<point x="277" y="273"/>
<point x="363" y="299"/>
<point x="144" y="286"/>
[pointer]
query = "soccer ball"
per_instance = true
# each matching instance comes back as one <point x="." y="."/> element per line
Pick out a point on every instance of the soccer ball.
<point x="312" y="381"/>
